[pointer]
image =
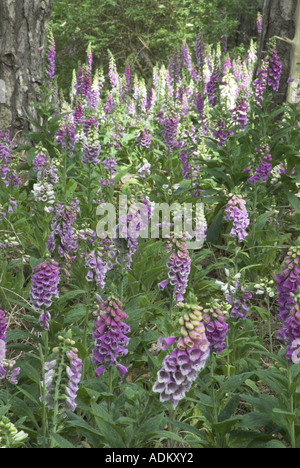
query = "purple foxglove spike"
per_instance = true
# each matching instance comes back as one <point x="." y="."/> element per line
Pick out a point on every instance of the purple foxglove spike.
<point x="111" y="332"/>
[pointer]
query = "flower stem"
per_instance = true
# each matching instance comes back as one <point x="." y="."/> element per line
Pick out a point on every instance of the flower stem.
<point x="55" y="419"/>
<point x="270" y="324"/>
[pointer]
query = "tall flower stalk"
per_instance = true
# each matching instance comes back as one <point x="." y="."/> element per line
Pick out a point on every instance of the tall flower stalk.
<point x="202" y="330"/>
<point x="62" y="376"/>
<point x="8" y="371"/>
<point x="288" y="297"/>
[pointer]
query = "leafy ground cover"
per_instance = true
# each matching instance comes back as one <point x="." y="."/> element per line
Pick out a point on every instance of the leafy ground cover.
<point x="120" y="325"/>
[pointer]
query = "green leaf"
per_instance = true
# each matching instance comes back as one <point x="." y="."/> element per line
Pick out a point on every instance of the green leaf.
<point x="294" y="201"/>
<point x="230" y="408"/>
<point x="62" y="442"/>
<point x="225" y="427"/>
<point x="76" y="314"/>
<point x="31" y="372"/>
<point x="69" y="296"/>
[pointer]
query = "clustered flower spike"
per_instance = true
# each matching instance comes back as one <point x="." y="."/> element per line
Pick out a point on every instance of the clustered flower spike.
<point x="216" y="327"/>
<point x="236" y="213"/>
<point x="8" y="174"/>
<point x="99" y="262"/>
<point x="169" y="130"/>
<point x="181" y="367"/>
<point x="265" y="287"/>
<point x="110" y="336"/>
<point x="51" y="56"/>
<point x="275" y="68"/>
<point x="44" y="287"/>
<point x="10" y="437"/>
<point x="91" y="147"/>
<point x="8" y="373"/>
<point x="66" y="134"/>
<point x="63" y="235"/>
<point x="236" y="295"/>
<point x="62" y="377"/>
<point x="260" y="84"/>
<point x="3" y="321"/>
<point x="179" y="265"/>
<point x="288" y="297"/>
<point x="262" y="172"/>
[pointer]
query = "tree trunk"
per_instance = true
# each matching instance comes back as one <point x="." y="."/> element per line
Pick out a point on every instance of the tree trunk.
<point x="23" y="30"/>
<point x="280" y="20"/>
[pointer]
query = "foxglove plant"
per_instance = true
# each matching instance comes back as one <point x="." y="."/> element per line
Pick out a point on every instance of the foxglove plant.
<point x="144" y="138"/>
<point x="10" y="437"/>
<point x="61" y="381"/>
<point x="179" y="265"/>
<point x="128" y="230"/>
<point x="51" y="53"/>
<point x="288" y="297"/>
<point x="236" y="213"/>
<point x="99" y="262"/>
<point x="8" y="371"/>
<point x="66" y="134"/>
<point x="44" y="288"/>
<point x="260" y="84"/>
<point x="275" y="68"/>
<point x="91" y="147"/>
<point x="110" y="336"/>
<point x="180" y="368"/>
<point x="63" y="235"/>
<point x="144" y="169"/>
<point x="262" y="172"/>
<point x="236" y="295"/>
<point x="169" y="130"/>
<point x="46" y="170"/>
<point x="240" y="112"/>
<point x="216" y="326"/>
<point x="43" y="192"/>
<point x="221" y="133"/>
<point x="8" y="174"/>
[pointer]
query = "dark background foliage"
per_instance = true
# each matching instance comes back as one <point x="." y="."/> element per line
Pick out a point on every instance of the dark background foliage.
<point x="145" y="32"/>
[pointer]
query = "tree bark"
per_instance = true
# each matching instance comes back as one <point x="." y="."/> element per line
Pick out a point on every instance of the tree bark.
<point x="23" y="32"/>
<point x="279" y="19"/>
